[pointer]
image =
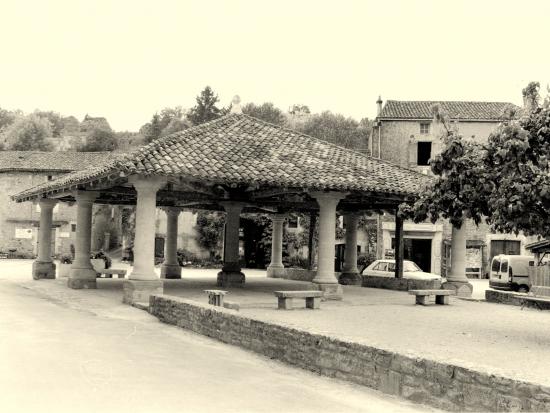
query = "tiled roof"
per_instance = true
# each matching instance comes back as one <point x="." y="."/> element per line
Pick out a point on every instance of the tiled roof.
<point x="409" y="109"/>
<point x="34" y="161"/>
<point x="239" y="149"/>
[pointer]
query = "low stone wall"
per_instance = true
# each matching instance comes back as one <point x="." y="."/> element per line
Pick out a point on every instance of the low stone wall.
<point x="298" y="274"/>
<point x="513" y="298"/>
<point x="441" y="385"/>
<point x="399" y="284"/>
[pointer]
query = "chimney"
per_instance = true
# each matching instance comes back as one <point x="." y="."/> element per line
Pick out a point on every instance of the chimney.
<point x="236" y="105"/>
<point x="379" y="106"/>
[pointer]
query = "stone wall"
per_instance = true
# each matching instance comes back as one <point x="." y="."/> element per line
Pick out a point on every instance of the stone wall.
<point x="441" y="385"/>
<point x="513" y="298"/>
<point x="299" y="274"/>
<point x="399" y="284"/>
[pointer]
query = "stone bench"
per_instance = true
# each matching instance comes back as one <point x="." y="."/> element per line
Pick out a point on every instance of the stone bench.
<point x="285" y="298"/>
<point x="109" y="272"/>
<point x="441" y="296"/>
<point x="215" y="297"/>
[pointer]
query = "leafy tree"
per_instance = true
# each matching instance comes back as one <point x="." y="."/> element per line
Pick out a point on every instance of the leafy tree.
<point x="175" y="125"/>
<point x="266" y="111"/>
<point x="209" y="228"/>
<point x="152" y="130"/>
<point x="299" y="109"/>
<point x="461" y="187"/>
<point x="517" y="160"/>
<point x="335" y="128"/>
<point x="55" y="119"/>
<point x="29" y="133"/>
<point x="98" y="140"/>
<point x="6" y="118"/>
<point x="205" y="110"/>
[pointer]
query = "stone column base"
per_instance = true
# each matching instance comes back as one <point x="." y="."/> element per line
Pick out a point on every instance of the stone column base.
<point x="462" y="289"/>
<point x="330" y="291"/>
<point x="43" y="270"/>
<point x="350" y="278"/>
<point x="170" y="271"/>
<point x="135" y="291"/>
<point x="230" y="278"/>
<point x="275" y="271"/>
<point x="82" y="278"/>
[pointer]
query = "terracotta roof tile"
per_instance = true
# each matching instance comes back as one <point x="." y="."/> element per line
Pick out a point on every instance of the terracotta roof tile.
<point x="35" y="161"/>
<point x="407" y="109"/>
<point x="237" y="148"/>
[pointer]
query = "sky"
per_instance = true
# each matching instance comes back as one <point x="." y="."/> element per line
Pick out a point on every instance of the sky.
<point x="126" y="60"/>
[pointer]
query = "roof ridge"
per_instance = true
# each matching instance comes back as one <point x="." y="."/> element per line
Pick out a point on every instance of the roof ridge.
<point x="369" y="157"/>
<point x="452" y="101"/>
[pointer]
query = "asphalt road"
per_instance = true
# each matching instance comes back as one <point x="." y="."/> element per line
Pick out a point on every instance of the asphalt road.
<point x="58" y="358"/>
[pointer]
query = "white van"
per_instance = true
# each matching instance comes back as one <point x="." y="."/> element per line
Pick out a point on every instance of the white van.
<point x="510" y="272"/>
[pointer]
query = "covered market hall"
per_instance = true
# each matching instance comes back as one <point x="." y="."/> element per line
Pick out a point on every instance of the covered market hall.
<point x="235" y="164"/>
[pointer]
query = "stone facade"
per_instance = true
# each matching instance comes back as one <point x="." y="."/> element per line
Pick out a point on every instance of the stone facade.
<point x="445" y="386"/>
<point x="397" y="140"/>
<point x="19" y="222"/>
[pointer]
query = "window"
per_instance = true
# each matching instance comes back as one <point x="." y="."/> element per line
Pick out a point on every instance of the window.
<point x="293" y="222"/>
<point x="382" y="266"/>
<point x="50" y="177"/>
<point x="424" y="128"/>
<point x="504" y="266"/>
<point x="73" y="227"/>
<point x="424" y="153"/>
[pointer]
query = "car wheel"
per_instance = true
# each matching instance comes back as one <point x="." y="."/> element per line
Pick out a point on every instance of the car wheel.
<point x="523" y="289"/>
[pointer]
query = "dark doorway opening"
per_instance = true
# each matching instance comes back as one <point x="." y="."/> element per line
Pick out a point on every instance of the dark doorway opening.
<point x="424" y="153"/>
<point x="255" y="253"/>
<point x="419" y="251"/>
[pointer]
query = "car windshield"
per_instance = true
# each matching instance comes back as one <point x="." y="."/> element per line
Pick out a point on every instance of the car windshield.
<point x="410" y="266"/>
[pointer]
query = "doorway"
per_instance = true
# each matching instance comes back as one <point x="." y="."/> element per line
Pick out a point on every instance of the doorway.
<point x="418" y="251"/>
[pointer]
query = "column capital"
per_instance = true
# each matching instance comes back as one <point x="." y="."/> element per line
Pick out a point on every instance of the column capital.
<point x="47" y="203"/>
<point x="169" y="210"/>
<point x="279" y="217"/>
<point x="85" y="196"/>
<point x="232" y="206"/>
<point x="328" y="196"/>
<point x="147" y="183"/>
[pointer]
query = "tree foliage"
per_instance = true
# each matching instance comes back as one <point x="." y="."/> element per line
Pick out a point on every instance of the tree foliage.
<point x="266" y="112"/>
<point x="98" y="140"/>
<point x="505" y="182"/>
<point x="29" y="133"/>
<point x="205" y="110"/>
<point x="209" y="229"/>
<point x="517" y="161"/>
<point x="337" y="129"/>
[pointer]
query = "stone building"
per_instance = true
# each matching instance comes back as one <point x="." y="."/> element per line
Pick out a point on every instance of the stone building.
<point x="19" y="222"/>
<point x="405" y="134"/>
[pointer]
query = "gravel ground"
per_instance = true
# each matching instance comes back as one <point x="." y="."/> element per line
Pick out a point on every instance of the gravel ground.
<point x="490" y="337"/>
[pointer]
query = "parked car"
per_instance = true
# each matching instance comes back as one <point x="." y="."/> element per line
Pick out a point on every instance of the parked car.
<point x="510" y="272"/>
<point x="411" y="271"/>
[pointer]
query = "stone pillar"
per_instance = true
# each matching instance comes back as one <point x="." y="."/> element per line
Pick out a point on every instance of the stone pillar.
<point x="325" y="279"/>
<point x="82" y="273"/>
<point x="276" y="268"/>
<point x="231" y="271"/>
<point x="143" y="281"/>
<point x="457" y="279"/>
<point x="171" y="268"/>
<point x="43" y="267"/>
<point x="399" y="246"/>
<point x="350" y="273"/>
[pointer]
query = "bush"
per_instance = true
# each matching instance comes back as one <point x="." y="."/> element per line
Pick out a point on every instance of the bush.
<point x="364" y="260"/>
<point x="101" y="255"/>
<point x="66" y="259"/>
<point x="296" y="262"/>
